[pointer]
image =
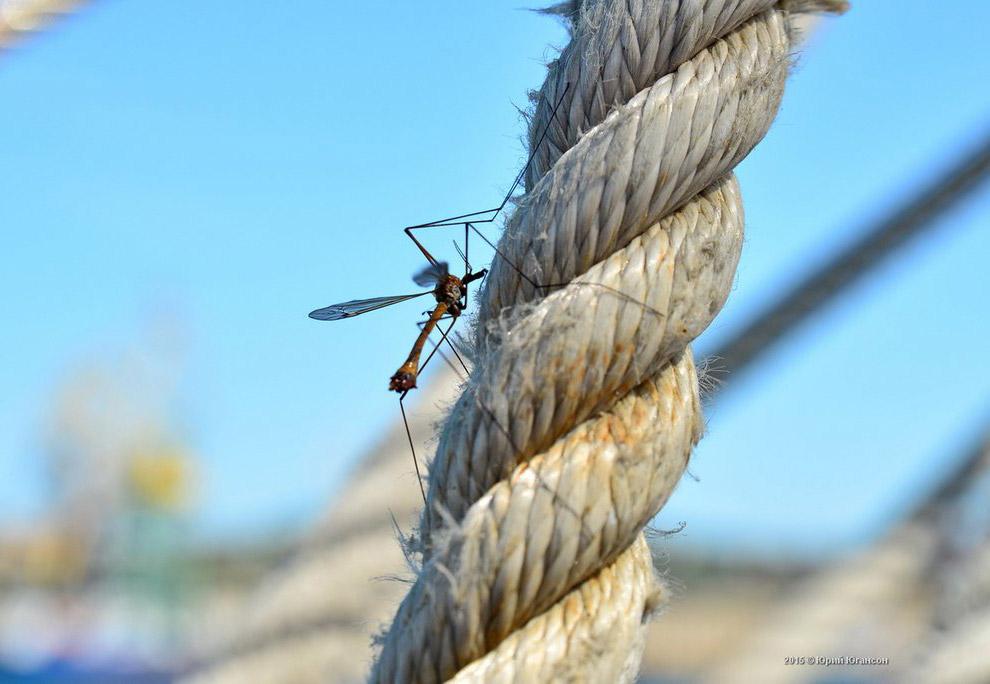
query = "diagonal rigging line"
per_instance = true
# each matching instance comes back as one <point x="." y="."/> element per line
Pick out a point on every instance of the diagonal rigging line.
<point x="828" y="280"/>
<point x="957" y="479"/>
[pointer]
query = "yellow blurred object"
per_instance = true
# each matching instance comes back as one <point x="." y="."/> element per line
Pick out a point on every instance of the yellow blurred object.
<point x="160" y="479"/>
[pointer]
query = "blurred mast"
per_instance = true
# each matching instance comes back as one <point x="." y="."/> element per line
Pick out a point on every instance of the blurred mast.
<point x="873" y="245"/>
<point x="18" y="17"/>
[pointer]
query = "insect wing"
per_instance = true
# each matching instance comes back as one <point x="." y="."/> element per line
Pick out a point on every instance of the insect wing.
<point x="356" y="307"/>
<point x="431" y="275"/>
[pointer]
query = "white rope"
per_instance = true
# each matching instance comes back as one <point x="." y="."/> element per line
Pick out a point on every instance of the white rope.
<point x="582" y="411"/>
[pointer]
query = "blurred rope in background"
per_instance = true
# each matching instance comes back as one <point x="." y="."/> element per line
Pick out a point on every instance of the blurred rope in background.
<point x="919" y="214"/>
<point x="880" y="595"/>
<point x="20" y="17"/>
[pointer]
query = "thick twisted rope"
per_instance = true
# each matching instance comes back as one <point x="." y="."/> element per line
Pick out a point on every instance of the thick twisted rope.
<point x="582" y="410"/>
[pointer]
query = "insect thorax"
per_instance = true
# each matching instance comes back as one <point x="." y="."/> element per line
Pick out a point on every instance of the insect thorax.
<point x="449" y="291"/>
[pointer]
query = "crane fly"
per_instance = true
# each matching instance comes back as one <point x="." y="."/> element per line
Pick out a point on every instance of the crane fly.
<point x="449" y="291"/>
<point x="451" y="296"/>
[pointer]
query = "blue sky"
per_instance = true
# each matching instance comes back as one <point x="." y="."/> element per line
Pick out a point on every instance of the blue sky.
<point x="239" y="165"/>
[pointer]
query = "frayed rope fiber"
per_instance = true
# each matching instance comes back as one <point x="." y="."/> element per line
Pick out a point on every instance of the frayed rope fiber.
<point x="582" y="409"/>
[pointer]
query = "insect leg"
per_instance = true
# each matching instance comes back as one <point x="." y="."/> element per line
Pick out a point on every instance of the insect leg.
<point x="405" y="421"/>
<point x="585" y="534"/>
<point x="547" y="287"/>
<point x="443" y="334"/>
<point x="429" y="257"/>
<point x="402" y="408"/>
<point x="480" y="216"/>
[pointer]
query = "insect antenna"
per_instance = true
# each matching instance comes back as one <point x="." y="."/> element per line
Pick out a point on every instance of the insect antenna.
<point x="460" y="252"/>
